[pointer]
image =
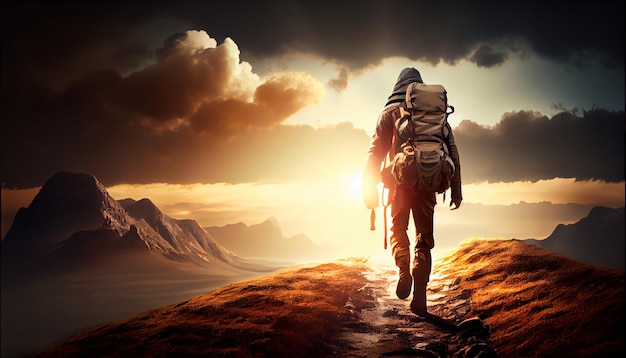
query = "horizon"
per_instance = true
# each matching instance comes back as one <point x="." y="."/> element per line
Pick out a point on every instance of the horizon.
<point x="219" y="207"/>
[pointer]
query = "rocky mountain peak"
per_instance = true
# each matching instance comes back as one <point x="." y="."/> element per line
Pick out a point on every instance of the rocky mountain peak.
<point x="67" y="203"/>
<point x="145" y="209"/>
<point x="78" y="198"/>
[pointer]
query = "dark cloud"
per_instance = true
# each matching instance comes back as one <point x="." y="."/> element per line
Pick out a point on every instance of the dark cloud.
<point x="61" y="40"/>
<point x="528" y="146"/>
<point x="54" y="42"/>
<point x="359" y="33"/>
<point x="487" y="56"/>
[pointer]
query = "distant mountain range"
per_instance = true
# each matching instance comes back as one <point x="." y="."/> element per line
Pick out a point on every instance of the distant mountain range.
<point x="265" y="240"/>
<point x="73" y="224"/>
<point x="598" y="239"/>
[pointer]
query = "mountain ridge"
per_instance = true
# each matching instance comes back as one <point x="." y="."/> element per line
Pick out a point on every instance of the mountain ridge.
<point x="265" y="240"/>
<point x="598" y="239"/>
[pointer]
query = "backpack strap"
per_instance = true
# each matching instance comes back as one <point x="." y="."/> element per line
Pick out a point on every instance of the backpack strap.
<point x="407" y="99"/>
<point x="405" y="115"/>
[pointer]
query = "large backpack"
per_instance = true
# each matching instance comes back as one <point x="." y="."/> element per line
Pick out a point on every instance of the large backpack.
<point x="423" y="162"/>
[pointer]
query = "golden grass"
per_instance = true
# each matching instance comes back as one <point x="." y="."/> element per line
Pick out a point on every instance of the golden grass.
<point x="540" y="304"/>
<point x="535" y="303"/>
<point x="294" y="310"/>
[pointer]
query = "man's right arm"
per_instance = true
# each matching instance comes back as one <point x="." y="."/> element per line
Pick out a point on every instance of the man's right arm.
<point x="379" y="147"/>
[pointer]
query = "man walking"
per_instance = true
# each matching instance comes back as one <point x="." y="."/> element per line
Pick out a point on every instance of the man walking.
<point x="407" y="200"/>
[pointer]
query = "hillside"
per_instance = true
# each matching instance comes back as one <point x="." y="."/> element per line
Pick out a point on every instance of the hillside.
<point x="597" y="239"/>
<point x="489" y="298"/>
<point x="538" y="303"/>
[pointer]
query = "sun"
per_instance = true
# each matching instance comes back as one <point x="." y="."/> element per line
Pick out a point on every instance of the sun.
<point x="353" y="183"/>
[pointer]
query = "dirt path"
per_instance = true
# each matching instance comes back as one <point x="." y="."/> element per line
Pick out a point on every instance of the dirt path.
<point x="389" y="329"/>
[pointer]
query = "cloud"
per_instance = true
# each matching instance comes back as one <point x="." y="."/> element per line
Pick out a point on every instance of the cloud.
<point x="555" y="191"/>
<point x="182" y="119"/>
<point x="564" y="31"/>
<point x="65" y="40"/>
<point x="487" y="56"/>
<point x="52" y="44"/>
<point x="526" y="145"/>
<point x="201" y="115"/>
<point x="192" y="73"/>
<point x="341" y="82"/>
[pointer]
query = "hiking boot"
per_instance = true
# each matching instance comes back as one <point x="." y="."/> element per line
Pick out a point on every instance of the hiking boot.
<point x="418" y="303"/>
<point x="405" y="281"/>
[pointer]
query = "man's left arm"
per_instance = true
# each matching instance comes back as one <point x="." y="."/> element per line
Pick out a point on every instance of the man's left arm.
<point x="457" y="195"/>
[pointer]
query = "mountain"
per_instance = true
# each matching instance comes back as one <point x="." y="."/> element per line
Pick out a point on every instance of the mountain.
<point x="490" y="298"/>
<point x="73" y="223"/>
<point x="597" y="239"/>
<point x="66" y="204"/>
<point x="187" y="237"/>
<point x="265" y="240"/>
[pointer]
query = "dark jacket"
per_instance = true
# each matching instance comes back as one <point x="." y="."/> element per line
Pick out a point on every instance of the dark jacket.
<point x="385" y="142"/>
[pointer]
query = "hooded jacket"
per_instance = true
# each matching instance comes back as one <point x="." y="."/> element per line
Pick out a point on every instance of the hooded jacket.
<point x="385" y="143"/>
<point x="406" y="77"/>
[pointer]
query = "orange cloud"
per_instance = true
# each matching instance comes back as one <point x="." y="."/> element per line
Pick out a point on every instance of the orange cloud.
<point x="154" y="124"/>
<point x="201" y="84"/>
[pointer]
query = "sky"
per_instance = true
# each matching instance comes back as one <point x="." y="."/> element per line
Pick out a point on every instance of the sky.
<point x="235" y="111"/>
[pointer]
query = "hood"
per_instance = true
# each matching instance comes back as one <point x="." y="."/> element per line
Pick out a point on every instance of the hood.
<point x="407" y="76"/>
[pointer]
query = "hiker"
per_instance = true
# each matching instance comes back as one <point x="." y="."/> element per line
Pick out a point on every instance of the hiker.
<point x="406" y="200"/>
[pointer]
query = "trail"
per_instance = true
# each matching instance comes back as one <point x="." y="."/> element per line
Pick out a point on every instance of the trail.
<point x="387" y="327"/>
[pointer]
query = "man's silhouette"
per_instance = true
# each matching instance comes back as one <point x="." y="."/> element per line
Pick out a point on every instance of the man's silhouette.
<point x="407" y="200"/>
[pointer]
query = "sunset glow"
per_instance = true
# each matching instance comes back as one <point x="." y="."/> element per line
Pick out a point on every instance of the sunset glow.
<point x="332" y="212"/>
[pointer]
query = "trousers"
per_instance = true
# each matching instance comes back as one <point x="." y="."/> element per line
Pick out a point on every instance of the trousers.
<point x="421" y="204"/>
